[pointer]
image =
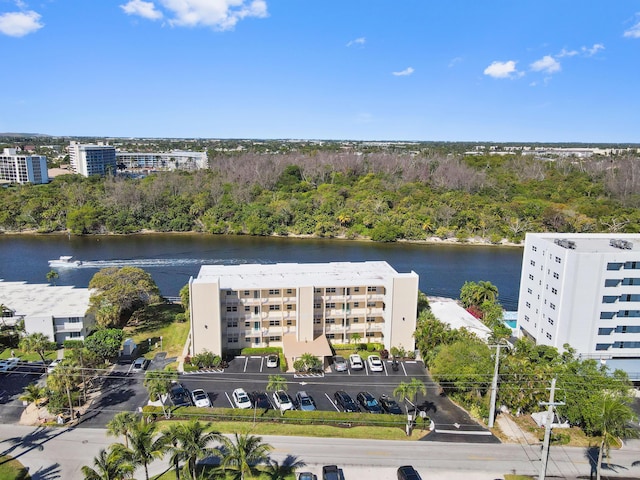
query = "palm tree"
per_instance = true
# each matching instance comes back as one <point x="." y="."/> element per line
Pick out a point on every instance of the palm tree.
<point x="37" y="343"/>
<point x="189" y="442"/>
<point x="33" y="393"/>
<point x="121" y="424"/>
<point x="310" y="361"/>
<point x="64" y="379"/>
<point x="408" y="391"/>
<point x="158" y="383"/>
<point x="355" y="337"/>
<point x="243" y="455"/>
<point x="616" y="419"/>
<point x="52" y="276"/>
<point x="109" y="465"/>
<point x="145" y="445"/>
<point x="277" y="382"/>
<point x="282" y="471"/>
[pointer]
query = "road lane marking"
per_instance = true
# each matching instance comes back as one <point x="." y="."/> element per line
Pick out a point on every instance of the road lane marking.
<point x="405" y="370"/>
<point x="464" y="432"/>
<point x="246" y="360"/>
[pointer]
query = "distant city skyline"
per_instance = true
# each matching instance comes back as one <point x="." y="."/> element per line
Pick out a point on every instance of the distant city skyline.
<point x="372" y="70"/>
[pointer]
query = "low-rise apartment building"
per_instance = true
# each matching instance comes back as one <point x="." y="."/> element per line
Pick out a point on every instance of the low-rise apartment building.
<point x="301" y="306"/>
<point x="16" y="167"/>
<point x="174" y="160"/>
<point x="58" y="312"/>
<point x="584" y="290"/>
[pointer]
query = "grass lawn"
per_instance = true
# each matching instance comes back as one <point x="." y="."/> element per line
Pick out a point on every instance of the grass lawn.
<point x="576" y="437"/>
<point x="157" y="321"/>
<point x="11" y="469"/>
<point x="170" y="475"/>
<point x="27" y="357"/>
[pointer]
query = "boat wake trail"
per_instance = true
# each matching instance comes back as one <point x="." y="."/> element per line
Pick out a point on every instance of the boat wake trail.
<point x="163" y="262"/>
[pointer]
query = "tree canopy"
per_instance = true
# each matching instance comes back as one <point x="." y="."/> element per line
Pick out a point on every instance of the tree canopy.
<point x="105" y="343"/>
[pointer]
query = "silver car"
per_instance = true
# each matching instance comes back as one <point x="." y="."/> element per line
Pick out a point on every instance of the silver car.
<point x="340" y="364"/>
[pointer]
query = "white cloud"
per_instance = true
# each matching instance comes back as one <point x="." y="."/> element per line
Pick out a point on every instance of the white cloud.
<point x="142" y="9"/>
<point x="455" y="61"/>
<point x="404" y="73"/>
<point x="633" y="32"/>
<point x="567" y="53"/>
<point x="358" y="41"/>
<point x="217" y="14"/>
<point x="19" y="24"/>
<point x="502" y="69"/>
<point x="591" y="51"/>
<point x="546" y="64"/>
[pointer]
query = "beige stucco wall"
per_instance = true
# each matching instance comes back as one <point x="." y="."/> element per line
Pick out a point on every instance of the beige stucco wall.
<point x="403" y="312"/>
<point x="304" y="320"/>
<point x="206" y="331"/>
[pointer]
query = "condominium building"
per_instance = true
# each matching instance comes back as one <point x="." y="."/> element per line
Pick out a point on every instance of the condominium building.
<point x="20" y="168"/>
<point x="584" y="290"/>
<point x="89" y="159"/>
<point x="300" y="307"/>
<point x="175" y="160"/>
<point x="58" y="312"/>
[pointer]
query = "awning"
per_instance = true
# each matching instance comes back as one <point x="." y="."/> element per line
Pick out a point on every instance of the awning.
<point x="294" y="349"/>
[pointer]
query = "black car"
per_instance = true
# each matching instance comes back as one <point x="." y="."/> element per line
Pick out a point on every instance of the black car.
<point x="179" y="395"/>
<point x="369" y="403"/>
<point x="260" y="400"/>
<point x="389" y="405"/>
<point x="344" y="401"/>
<point x="407" y="472"/>
<point x="331" y="472"/>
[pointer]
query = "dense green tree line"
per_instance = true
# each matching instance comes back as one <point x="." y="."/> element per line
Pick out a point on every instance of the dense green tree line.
<point x="382" y="196"/>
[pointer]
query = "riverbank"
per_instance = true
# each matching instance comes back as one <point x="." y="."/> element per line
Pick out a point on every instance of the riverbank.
<point x="433" y="240"/>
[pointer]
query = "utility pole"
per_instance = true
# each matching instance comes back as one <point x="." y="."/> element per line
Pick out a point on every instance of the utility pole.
<point x="547" y="430"/>
<point x="494" y="386"/>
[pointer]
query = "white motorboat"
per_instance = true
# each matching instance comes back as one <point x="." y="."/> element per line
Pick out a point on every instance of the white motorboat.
<point x="64" y="261"/>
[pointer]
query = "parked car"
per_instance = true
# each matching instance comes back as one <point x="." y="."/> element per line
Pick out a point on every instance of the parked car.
<point x="140" y="365"/>
<point x="9" y="364"/>
<point x="200" y="398"/>
<point x="356" y="362"/>
<point x="344" y="401"/>
<point x="331" y="472"/>
<point x="389" y="405"/>
<point x="241" y="399"/>
<point x="407" y="472"/>
<point x="375" y="364"/>
<point x="368" y="402"/>
<point x="282" y="400"/>
<point x="179" y="395"/>
<point x="52" y="366"/>
<point x="340" y="364"/>
<point x="305" y="402"/>
<point x="260" y="400"/>
<point x="272" y="361"/>
<point x="307" y="476"/>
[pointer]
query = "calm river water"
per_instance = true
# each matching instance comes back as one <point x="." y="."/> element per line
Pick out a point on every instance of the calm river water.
<point x="172" y="258"/>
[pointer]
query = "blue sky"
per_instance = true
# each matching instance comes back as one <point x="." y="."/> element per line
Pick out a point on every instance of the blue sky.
<point x="454" y="70"/>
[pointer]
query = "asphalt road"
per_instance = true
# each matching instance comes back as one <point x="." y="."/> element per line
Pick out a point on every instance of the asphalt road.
<point x="61" y="452"/>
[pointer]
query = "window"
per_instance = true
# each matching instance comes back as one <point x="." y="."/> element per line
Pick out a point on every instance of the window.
<point x="356" y="304"/>
<point x="558" y="260"/>
<point x="233" y="338"/>
<point x="602" y="346"/>
<point x="356" y="289"/>
<point x="614" y="265"/>
<point x="528" y="304"/>
<point x="331" y="336"/>
<point x="74" y="320"/>
<point x="330" y="321"/>
<point x="548" y="335"/>
<point x="372" y="289"/>
<point x="526" y="318"/>
<point x="534" y="248"/>
<point x="289" y="322"/>
<point x="274" y="338"/>
<point x="628" y="329"/>
<point x="371" y="319"/>
<point x="631" y="265"/>
<point x="529" y="291"/>
<point x="631" y="281"/>
<point x="247" y="308"/>
<point x="630" y="298"/>
<point x="626" y="344"/>
<point x="246" y="293"/>
<point x="607" y="315"/>
<point x="331" y="290"/>
<point x="609" y="299"/>
<point x="231" y="323"/>
<point x="530" y="276"/>
<point x="556" y="275"/>
<point x="370" y="334"/>
<point x="330" y="305"/>
<point x="289" y="306"/>
<point x="274" y="307"/>
<point x="554" y="290"/>
<point x="74" y="334"/>
<point x="274" y="291"/>
<point x="289" y="291"/>
<point x="317" y="321"/>
<point x="317" y="305"/>
<point x="232" y="309"/>
<point x="533" y="263"/>
<point x="629" y="313"/>
<point x="605" y="331"/>
<point x="229" y="292"/>
<point x="247" y="324"/>
<point x="274" y="323"/>
<point x="550" y="320"/>
<point x="317" y="290"/>
<point x="371" y="304"/>
<point x="553" y="306"/>
<point x="355" y="320"/>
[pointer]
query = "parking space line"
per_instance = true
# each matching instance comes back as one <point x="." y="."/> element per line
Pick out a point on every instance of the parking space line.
<point x="332" y="403"/>
<point x="404" y="369"/>
<point x="246" y="360"/>
<point x="384" y="367"/>
<point x="229" y="399"/>
<point x="261" y="363"/>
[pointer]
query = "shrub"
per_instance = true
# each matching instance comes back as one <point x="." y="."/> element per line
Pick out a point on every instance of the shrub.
<point x="180" y="317"/>
<point x="73" y="344"/>
<point x="206" y="359"/>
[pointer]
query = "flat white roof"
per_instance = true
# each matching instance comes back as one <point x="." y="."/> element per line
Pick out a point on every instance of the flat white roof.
<point x="293" y="275"/>
<point x="44" y="300"/>
<point x="448" y="310"/>
<point x="594" y="242"/>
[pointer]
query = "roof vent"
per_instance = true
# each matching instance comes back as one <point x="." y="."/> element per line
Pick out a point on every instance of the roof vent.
<point x="621" y="244"/>
<point x="564" y="243"/>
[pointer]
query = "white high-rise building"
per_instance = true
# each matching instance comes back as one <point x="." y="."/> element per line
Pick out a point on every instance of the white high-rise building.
<point x="584" y="290"/>
<point x="20" y="168"/>
<point x="89" y="159"/>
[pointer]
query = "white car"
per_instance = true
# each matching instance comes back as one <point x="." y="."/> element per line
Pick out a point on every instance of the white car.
<point x="52" y="366"/>
<point x="9" y="364"/>
<point x="241" y="399"/>
<point x="200" y="398"/>
<point x="355" y="361"/>
<point x="272" y="361"/>
<point x="375" y="364"/>
<point x="282" y="400"/>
